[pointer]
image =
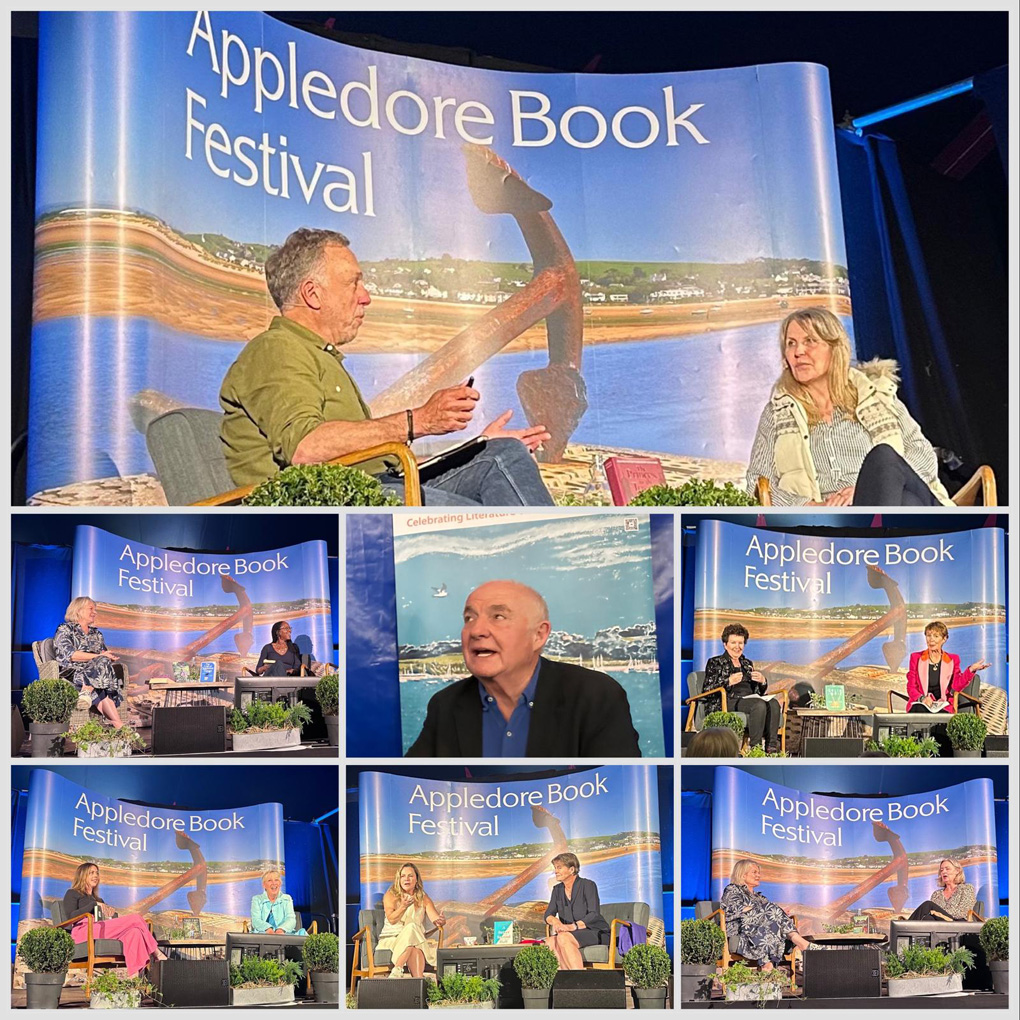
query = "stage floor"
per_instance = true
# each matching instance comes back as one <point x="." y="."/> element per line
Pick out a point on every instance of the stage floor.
<point x="74" y="998"/>
<point x="962" y="1000"/>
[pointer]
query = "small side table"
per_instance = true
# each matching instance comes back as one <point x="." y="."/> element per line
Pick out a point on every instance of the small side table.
<point x="820" y="722"/>
<point x="181" y="695"/>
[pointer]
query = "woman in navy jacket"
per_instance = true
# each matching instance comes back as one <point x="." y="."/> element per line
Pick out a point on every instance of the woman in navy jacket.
<point x="574" y="914"/>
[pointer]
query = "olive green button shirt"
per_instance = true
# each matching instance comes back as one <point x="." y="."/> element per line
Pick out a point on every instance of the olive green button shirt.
<point x="284" y="384"/>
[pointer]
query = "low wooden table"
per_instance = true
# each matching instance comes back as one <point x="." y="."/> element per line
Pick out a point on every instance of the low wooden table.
<point x="820" y="722"/>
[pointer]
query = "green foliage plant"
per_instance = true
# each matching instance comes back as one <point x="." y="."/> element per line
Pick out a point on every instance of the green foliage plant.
<point x="701" y="941"/>
<point x="536" y="966"/>
<point x="994" y="938"/>
<point x="265" y="716"/>
<point x="94" y="734"/>
<point x="321" y="952"/>
<point x="920" y="961"/>
<point x="320" y="485"/>
<point x="647" y="966"/>
<point x="327" y="693"/>
<point x="906" y="747"/>
<point x="351" y="1001"/>
<point x="460" y="988"/>
<point x="757" y="751"/>
<point x="46" y="950"/>
<point x="739" y="973"/>
<point x="966" y="732"/>
<point x="694" y="493"/>
<point x="730" y="719"/>
<point x="264" y="972"/>
<point x="49" y="701"/>
<point x="107" y="984"/>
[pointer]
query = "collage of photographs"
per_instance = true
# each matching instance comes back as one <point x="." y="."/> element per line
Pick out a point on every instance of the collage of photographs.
<point x="496" y="498"/>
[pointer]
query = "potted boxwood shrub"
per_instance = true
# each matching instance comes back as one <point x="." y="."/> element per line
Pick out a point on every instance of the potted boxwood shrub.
<point x="94" y="740"/>
<point x="320" y="485"/>
<point x="742" y="983"/>
<point x="730" y="719"/>
<point x="321" y="954"/>
<point x="648" y="969"/>
<point x="264" y="724"/>
<point x="327" y="694"/>
<point x="701" y="946"/>
<point x="456" y="991"/>
<point x="994" y="939"/>
<point x="46" y="952"/>
<point x="49" y="704"/>
<point x="536" y="966"/>
<point x="112" y="992"/>
<point x="967" y="734"/>
<point x="922" y="971"/>
<point x="263" y="980"/>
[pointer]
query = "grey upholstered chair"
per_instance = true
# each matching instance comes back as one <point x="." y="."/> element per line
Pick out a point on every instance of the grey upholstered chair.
<point x="91" y="953"/>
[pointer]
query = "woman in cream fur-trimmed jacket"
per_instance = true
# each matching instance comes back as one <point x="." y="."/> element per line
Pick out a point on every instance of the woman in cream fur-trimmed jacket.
<point x="837" y="435"/>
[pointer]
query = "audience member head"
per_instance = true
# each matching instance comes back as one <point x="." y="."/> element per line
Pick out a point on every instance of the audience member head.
<point x="714" y="742"/>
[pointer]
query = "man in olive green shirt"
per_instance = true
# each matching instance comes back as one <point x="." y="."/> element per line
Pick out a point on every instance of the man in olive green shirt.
<point x="288" y="399"/>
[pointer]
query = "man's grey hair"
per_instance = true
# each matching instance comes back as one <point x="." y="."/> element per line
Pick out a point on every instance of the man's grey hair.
<point x="297" y="259"/>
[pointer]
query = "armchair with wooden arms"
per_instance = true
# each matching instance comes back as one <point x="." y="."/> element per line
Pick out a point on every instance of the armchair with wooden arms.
<point x="969" y="694"/>
<point x="185" y="448"/>
<point x="980" y="484"/>
<point x="367" y="962"/>
<point x="696" y="708"/>
<point x="620" y="915"/>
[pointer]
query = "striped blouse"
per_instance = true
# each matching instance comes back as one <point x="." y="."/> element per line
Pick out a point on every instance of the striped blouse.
<point x="838" y="449"/>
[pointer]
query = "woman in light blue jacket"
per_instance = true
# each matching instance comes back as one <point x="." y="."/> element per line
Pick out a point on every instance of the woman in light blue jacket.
<point x="272" y="910"/>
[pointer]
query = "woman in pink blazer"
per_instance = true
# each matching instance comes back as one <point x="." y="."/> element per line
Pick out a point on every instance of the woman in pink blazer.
<point x="935" y="675"/>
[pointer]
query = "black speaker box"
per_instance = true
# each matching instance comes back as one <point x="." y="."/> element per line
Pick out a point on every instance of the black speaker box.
<point x="842" y="973"/>
<point x="832" y="747"/>
<point x="194" y="982"/>
<point x="997" y="746"/>
<point x="392" y="993"/>
<point x="589" y="989"/>
<point x="190" y="729"/>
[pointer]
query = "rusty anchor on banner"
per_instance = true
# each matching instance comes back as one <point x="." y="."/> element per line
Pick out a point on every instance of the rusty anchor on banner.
<point x="894" y="650"/>
<point x="198" y="872"/>
<point x="456" y="927"/>
<point x="556" y="395"/>
<point x="898" y="866"/>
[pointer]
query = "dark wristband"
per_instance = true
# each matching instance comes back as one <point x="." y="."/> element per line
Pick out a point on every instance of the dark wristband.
<point x="410" y="426"/>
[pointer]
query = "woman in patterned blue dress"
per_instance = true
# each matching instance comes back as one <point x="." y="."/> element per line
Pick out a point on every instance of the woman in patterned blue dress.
<point x="85" y="660"/>
<point x="762" y="927"/>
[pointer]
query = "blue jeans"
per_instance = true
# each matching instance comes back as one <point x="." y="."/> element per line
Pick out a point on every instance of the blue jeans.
<point x="501" y="473"/>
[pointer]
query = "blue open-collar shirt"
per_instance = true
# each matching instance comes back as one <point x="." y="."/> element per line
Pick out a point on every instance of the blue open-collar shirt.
<point x="502" y="738"/>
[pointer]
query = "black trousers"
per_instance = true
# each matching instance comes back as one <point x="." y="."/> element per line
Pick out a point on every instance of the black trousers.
<point x="886" y="479"/>
<point x="927" y="911"/>
<point x="763" y="718"/>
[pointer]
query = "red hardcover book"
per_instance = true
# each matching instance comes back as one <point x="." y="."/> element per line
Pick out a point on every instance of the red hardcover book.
<point x="627" y="476"/>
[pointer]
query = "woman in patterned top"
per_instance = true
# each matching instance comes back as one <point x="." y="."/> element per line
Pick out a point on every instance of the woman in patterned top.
<point x="835" y="435"/>
<point x="953" y="900"/>
<point x="85" y="660"/>
<point x="762" y="927"/>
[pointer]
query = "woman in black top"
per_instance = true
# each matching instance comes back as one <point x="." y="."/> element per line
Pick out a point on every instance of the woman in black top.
<point x="736" y="673"/>
<point x="574" y="914"/>
<point x="131" y="930"/>
<point x="282" y="657"/>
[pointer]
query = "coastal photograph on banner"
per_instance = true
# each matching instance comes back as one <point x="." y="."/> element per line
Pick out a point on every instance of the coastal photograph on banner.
<point x="540" y="885"/>
<point x="509" y="635"/>
<point x="845" y="886"/>
<point x="323" y="252"/>
<point x="193" y="886"/>
<point x="839" y="634"/>
<point x="174" y="634"/>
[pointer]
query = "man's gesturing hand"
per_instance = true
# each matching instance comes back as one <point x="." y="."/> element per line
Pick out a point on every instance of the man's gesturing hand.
<point x="445" y="411"/>
<point x="532" y="437"/>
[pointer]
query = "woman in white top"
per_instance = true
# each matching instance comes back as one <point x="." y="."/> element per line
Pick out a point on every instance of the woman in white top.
<point x="408" y="907"/>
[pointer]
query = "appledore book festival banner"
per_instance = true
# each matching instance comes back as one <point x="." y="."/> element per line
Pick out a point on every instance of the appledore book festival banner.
<point x="832" y="610"/>
<point x="834" y="860"/>
<point x="484" y="850"/>
<point x="159" y="862"/>
<point x="658" y="225"/>
<point x="157" y="607"/>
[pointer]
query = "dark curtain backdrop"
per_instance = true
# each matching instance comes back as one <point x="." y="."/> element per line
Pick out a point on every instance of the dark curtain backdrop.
<point x="992" y="89"/>
<point x="373" y="691"/>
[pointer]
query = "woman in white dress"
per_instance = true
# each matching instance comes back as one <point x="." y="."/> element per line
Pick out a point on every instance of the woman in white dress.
<point x="408" y="907"/>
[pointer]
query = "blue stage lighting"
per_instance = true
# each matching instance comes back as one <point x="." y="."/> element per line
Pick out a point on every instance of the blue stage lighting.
<point x="859" y="123"/>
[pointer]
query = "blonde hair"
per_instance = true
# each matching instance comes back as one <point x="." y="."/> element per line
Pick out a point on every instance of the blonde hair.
<point x="271" y="871"/>
<point x="821" y="324"/>
<point x="419" y="889"/>
<point x="939" y="628"/>
<point x="960" y="876"/>
<point x="78" y="882"/>
<point x="740" y="870"/>
<point x="74" y="608"/>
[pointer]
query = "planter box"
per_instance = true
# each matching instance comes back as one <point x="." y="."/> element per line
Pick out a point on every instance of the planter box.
<point x="43" y="990"/>
<point x="269" y="996"/>
<point x="117" y="750"/>
<point x="536" y="998"/>
<point x="938" y="985"/>
<point x="119" y="1000"/>
<point x="1000" y="976"/>
<point x="267" y="740"/>
<point x="463" y="1005"/>
<point x="46" y="742"/>
<point x="326" y="986"/>
<point x="750" y="993"/>
<point x="696" y="981"/>
<point x="650" y="998"/>
<point x="960" y="753"/>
